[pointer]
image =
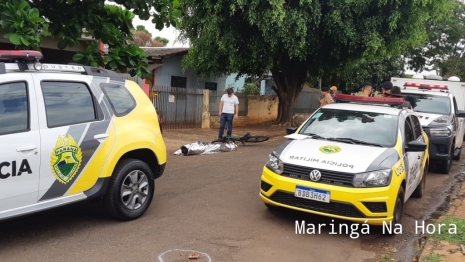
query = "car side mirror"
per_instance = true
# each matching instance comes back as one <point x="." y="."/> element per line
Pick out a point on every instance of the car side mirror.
<point x="415" y="146"/>
<point x="291" y="130"/>
<point x="460" y="113"/>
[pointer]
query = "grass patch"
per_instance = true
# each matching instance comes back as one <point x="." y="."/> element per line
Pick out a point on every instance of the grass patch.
<point x="458" y="234"/>
<point x="387" y="258"/>
<point x="432" y="257"/>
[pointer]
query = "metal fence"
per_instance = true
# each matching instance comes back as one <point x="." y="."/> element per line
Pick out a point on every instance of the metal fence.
<point x="214" y="101"/>
<point x="179" y="107"/>
<point x="307" y="102"/>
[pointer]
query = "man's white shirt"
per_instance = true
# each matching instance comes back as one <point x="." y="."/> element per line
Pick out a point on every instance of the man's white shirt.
<point x="229" y="103"/>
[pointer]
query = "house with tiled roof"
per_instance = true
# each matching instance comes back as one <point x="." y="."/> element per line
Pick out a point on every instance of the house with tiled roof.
<point x="165" y="65"/>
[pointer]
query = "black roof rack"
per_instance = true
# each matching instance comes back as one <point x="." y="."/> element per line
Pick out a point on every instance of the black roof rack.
<point x="71" y="67"/>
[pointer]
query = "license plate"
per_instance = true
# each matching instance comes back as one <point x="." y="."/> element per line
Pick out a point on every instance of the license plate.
<point x="313" y="194"/>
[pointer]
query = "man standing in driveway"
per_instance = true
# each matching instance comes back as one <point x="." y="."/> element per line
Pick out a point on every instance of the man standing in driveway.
<point x="229" y="109"/>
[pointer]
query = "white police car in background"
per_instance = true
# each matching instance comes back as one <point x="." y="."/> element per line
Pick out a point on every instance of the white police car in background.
<point x="440" y="111"/>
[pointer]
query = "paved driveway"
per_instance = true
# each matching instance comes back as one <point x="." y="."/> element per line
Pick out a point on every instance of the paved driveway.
<point x="209" y="204"/>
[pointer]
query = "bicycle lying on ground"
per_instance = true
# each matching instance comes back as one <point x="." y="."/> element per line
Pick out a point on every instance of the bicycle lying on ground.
<point x="247" y="138"/>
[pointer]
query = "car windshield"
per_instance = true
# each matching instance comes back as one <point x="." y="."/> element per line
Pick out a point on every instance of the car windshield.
<point x="426" y="103"/>
<point x="356" y="127"/>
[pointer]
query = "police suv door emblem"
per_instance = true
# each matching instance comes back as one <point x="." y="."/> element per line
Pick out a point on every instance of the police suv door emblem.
<point x="330" y="149"/>
<point x="66" y="158"/>
<point x="315" y="175"/>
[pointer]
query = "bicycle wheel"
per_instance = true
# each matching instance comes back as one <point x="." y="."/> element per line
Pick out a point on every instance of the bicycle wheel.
<point x="256" y="139"/>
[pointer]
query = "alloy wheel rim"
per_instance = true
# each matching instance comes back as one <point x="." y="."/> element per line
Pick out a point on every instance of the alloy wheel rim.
<point x="134" y="189"/>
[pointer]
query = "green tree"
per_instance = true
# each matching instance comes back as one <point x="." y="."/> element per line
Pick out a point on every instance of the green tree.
<point x="250" y="89"/>
<point x="444" y="47"/>
<point x="374" y="70"/>
<point x="162" y="40"/>
<point x="296" y="38"/>
<point x="142" y="37"/>
<point x="26" y="22"/>
<point x="143" y="29"/>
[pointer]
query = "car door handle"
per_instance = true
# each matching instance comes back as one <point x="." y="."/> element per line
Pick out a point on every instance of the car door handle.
<point x="26" y="148"/>
<point x="101" y="137"/>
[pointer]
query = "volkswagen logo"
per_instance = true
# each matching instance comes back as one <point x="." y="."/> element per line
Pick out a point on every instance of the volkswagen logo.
<point x="315" y="175"/>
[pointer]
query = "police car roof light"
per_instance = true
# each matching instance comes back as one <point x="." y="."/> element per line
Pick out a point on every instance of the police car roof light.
<point x="426" y="86"/>
<point x="25" y="55"/>
<point x="370" y="100"/>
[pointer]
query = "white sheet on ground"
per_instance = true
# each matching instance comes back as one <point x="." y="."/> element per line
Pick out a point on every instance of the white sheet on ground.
<point x="203" y="148"/>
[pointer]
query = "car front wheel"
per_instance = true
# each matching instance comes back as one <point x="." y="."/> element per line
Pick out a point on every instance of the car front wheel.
<point x="445" y="166"/>
<point x="398" y="213"/>
<point x="130" y="191"/>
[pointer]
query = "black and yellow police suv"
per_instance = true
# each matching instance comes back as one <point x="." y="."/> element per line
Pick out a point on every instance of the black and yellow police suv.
<point x="358" y="161"/>
<point x="70" y="133"/>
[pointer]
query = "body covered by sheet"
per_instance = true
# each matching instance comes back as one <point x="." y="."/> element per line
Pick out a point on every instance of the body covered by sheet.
<point x="203" y="148"/>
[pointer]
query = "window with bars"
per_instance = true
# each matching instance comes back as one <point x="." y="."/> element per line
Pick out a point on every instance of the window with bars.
<point x="179" y="82"/>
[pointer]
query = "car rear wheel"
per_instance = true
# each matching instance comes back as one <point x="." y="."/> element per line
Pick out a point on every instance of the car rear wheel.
<point x="130" y="191"/>
<point x="420" y="190"/>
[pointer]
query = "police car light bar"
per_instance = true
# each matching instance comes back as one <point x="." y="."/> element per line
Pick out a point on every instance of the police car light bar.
<point x="426" y="86"/>
<point x="25" y="55"/>
<point x="370" y="100"/>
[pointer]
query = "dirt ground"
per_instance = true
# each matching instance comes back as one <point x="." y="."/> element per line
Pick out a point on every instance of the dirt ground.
<point x="209" y="205"/>
<point x="175" y="138"/>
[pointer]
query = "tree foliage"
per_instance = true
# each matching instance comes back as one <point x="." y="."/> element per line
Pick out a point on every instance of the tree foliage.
<point x="24" y="25"/>
<point x="296" y="38"/>
<point x="27" y="22"/>
<point x="250" y="89"/>
<point x="374" y="70"/>
<point x="444" y="47"/>
<point x="142" y="37"/>
<point x="162" y="40"/>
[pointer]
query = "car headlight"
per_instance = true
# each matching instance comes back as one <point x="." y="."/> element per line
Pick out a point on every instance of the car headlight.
<point x="373" y="179"/>
<point x="275" y="164"/>
<point x="442" y="119"/>
<point x="440" y="131"/>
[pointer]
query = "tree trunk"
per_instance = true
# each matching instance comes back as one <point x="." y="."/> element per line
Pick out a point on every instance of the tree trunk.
<point x="289" y="76"/>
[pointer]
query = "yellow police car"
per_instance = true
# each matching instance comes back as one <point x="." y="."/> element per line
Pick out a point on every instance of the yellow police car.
<point x="70" y="133"/>
<point x="358" y="161"/>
